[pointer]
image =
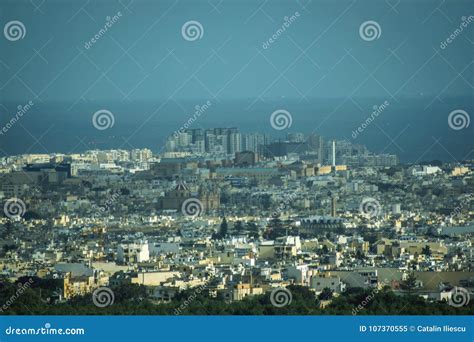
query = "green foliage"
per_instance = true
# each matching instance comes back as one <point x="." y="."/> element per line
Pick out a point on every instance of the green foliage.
<point x="224" y="228"/>
<point x="426" y="251"/>
<point x="409" y="283"/>
<point x="32" y="215"/>
<point x="238" y="226"/>
<point x="131" y="299"/>
<point x="325" y="294"/>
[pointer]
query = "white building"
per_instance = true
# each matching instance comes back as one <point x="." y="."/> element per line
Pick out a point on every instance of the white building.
<point x="141" y="155"/>
<point x="332" y="282"/>
<point x="424" y="170"/>
<point x="157" y="248"/>
<point x="299" y="273"/>
<point x="133" y="252"/>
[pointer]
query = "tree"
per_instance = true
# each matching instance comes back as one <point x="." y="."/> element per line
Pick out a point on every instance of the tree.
<point x="409" y="283"/>
<point x="238" y="226"/>
<point x="325" y="250"/>
<point x="274" y="229"/>
<point x="266" y="201"/>
<point x="325" y="294"/>
<point x="224" y="227"/>
<point x="124" y="192"/>
<point x="131" y="299"/>
<point x="32" y="215"/>
<point x="253" y="229"/>
<point x="359" y="255"/>
<point x="426" y="251"/>
<point x="391" y="171"/>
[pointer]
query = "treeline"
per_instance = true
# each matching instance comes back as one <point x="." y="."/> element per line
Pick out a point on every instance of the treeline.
<point x="132" y="300"/>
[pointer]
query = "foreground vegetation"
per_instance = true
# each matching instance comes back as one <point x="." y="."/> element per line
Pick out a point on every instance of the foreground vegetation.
<point x="131" y="300"/>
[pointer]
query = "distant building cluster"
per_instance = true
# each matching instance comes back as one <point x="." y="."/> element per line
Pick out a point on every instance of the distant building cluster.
<point x="230" y="141"/>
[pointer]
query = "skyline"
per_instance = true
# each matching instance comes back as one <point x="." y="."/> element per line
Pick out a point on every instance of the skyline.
<point x="373" y="135"/>
<point x="195" y="144"/>
<point x="327" y="64"/>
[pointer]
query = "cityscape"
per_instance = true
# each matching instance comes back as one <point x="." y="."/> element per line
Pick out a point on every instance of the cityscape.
<point x="309" y="162"/>
<point x="227" y="217"/>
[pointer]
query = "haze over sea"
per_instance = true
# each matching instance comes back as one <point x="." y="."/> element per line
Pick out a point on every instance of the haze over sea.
<point x="415" y="131"/>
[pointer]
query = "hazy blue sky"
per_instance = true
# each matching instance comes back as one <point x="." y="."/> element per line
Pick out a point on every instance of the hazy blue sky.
<point x="235" y="30"/>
